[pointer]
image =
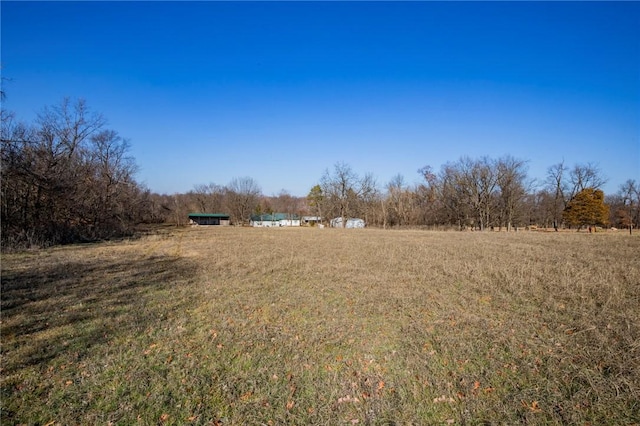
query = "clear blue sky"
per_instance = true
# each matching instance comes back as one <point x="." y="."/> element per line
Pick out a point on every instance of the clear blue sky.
<point x="208" y="91"/>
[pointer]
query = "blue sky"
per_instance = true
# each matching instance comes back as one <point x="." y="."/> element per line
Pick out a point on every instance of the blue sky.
<point x="281" y="91"/>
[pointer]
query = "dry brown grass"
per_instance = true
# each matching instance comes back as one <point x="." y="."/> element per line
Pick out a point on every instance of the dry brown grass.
<point x="311" y="326"/>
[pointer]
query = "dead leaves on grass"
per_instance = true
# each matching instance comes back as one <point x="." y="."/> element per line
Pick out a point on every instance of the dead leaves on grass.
<point x="534" y="406"/>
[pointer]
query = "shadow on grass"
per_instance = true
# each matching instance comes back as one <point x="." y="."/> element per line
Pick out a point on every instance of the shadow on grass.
<point x="71" y="306"/>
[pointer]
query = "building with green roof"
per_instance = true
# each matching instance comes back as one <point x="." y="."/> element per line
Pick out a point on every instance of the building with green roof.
<point x="221" y="219"/>
<point x="275" y="220"/>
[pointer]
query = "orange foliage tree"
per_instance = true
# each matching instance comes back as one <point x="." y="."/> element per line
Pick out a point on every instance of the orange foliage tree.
<point x="587" y="208"/>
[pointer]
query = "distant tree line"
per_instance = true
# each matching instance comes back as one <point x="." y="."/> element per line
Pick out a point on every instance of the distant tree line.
<point x="241" y="198"/>
<point x="468" y="193"/>
<point x="66" y="177"/>
<point x="478" y="193"/>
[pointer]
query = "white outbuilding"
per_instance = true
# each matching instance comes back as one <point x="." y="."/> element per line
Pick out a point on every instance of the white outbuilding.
<point x="350" y="223"/>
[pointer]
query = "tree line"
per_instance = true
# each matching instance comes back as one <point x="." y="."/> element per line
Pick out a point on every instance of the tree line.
<point x="479" y="194"/>
<point x="67" y="177"/>
<point x="241" y="198"/>
<point x="468" y="193"/>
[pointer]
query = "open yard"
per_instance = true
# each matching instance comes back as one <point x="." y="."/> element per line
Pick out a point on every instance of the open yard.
<point x="230" y="326"/>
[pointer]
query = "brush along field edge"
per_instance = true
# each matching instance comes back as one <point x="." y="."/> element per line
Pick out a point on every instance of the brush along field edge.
<point x="311" y="326"/>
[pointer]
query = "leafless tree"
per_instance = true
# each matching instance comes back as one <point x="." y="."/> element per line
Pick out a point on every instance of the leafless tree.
<point x="584" y="176"/>
<point x="399" y="201"/>
<point x="453" y="195"/>
<point x="513" y="188"/>
<point x="368" y="199"/>
<point x="344" y="192"/>
<point x="478" y="181"/>
<point x="339" y="189"/>
<point x="541" y="207"/>
<point x="286" y="203"/>
<point x="66" y="178"/>
<point x="209" y="198"/>
<point x="243" y="195"/>
<point x="428" y="199"/>
<point x="630" y="194"/>
<point x="180" y="205"/>
<point x="488" y="192"/>
<point x="556" y="185"/>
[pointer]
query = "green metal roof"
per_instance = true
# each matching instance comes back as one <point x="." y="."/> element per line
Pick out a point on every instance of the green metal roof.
<point x="274" y="217"/>
<point x="218" y="215"/>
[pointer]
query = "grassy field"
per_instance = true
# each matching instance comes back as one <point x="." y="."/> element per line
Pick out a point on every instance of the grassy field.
<point x="229" y="326"/>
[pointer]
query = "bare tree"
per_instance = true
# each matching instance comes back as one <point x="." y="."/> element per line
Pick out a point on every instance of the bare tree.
<point x="399" y="201"/>
<point x="630" y="194"/>
<point x="286" y="203"/>
<point x="179" y="205"/>
<point x="201" y="194"/>
<point x="541" y="207"/>
<point x="368" y="198"/>
<point x="584" y="176"/>
<point x="339" y="190"/>
<point x="478" y="180"/>
<point x="428" y="198"/>
<point x="108" y="195"/>
<point x="345" y="194"/>
<point x="243" y="195"/>
<point x="453" y="195"/>
<point x="487" y="191"/>
<point x="511" y="181"/>
<point x="67" y="178"/>
<point x="209" y="198"/>
<point x="18" y="181"/>
<point x="556" y="184"/>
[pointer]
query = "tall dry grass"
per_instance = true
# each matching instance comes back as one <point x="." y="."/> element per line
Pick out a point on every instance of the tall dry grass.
<point x="323" y="326"/>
